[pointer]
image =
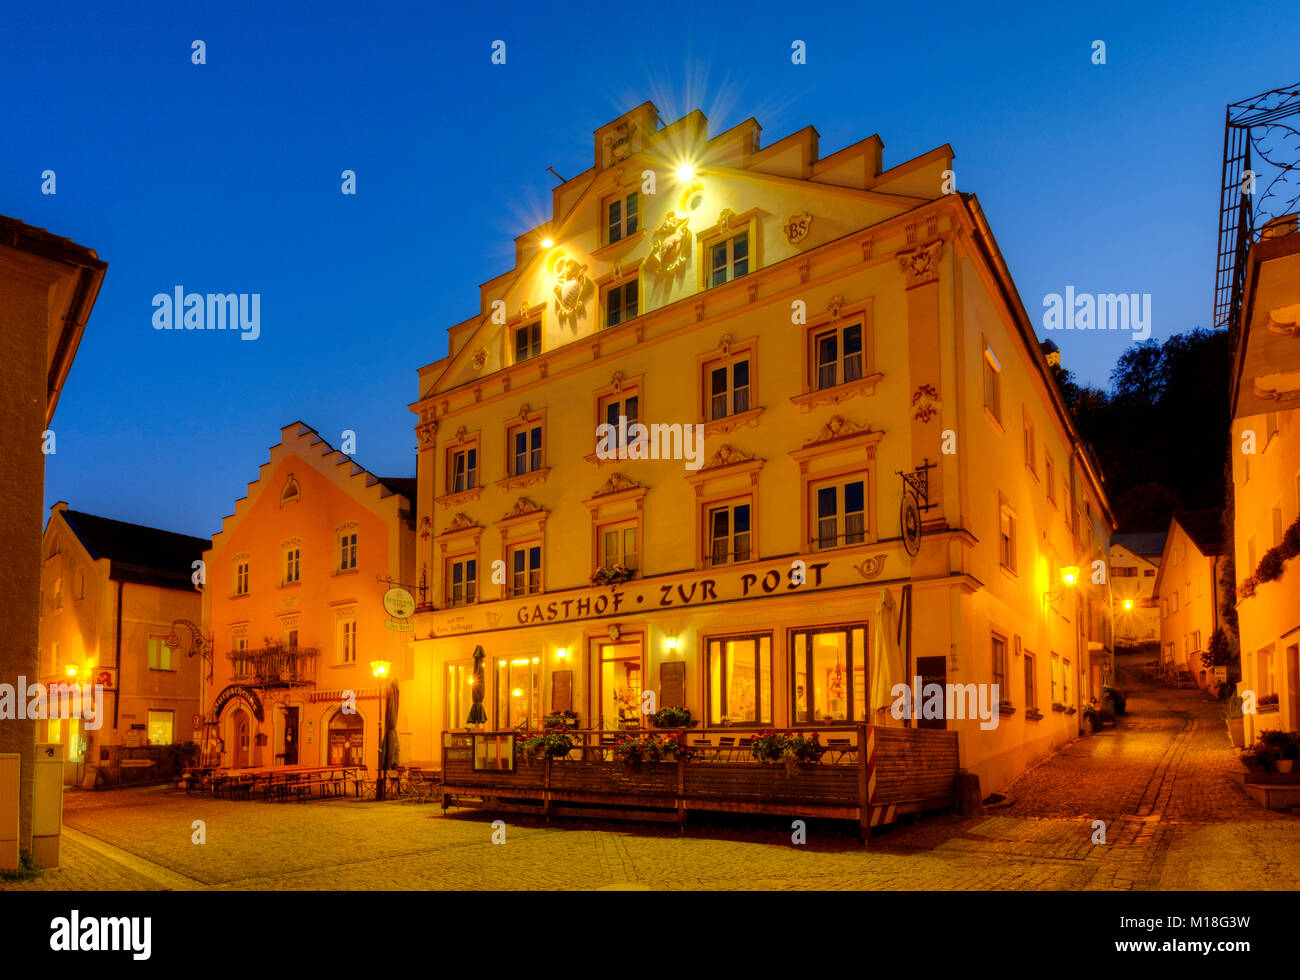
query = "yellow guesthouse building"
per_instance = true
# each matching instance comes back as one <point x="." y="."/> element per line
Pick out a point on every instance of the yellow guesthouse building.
<point x="840" y="333"/>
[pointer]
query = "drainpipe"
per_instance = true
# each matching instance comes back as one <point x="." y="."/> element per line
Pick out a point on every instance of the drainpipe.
<point x="117" y="655"/>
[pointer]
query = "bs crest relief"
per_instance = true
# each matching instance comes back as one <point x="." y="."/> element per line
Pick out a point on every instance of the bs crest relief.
<point x="798" y="227"/>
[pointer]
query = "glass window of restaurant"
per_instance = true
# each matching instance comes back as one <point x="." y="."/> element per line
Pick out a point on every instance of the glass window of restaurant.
<point x="829" y="669"/>
<point x="519" y="693"/>
<point x="460" y="694"/>
<point x="740" y="680"/>
<point x="619" y="685"/>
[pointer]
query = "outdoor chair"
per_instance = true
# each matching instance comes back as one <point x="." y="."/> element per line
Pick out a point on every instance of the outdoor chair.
<point x="743" y="748"/>
<point x="838" y="748"/>
<point x="727" y="746"/>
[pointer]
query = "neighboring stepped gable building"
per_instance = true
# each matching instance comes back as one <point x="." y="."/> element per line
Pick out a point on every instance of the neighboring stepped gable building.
<point x="1188" y="596"/>
<point x="48" y="286"/>
<point x="1134" y="562"/>
<point x="294" y="610"/>
<point x="111" y="593"/>
<point x="1266" y="483"/>
<point x="827" y="324"/>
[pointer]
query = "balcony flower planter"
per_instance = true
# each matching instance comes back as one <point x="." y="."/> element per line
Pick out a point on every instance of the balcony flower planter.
<point x="611" y="575"/>
<point x="673" y="718"/>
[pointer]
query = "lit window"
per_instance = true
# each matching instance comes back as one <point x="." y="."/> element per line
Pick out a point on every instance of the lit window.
<point x="620" y="303"/>
<point x="462" y="581"/>
<point x="829" y="683"/>
<point x="519" y="694"/>
<point x="841" y="513"/>
<point x="728" y="531"/>
<point x="739" y="673"/>
<point x="160" y="727"/>
<point x="528" y="341"/>
<point x="160" y="654"/>
<point x="729" y="260"/>
<point x="622" y="215"/>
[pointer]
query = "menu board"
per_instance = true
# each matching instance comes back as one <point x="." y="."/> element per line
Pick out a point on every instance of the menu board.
<point x="562" y="690"/>
<point x="672" y="685"/>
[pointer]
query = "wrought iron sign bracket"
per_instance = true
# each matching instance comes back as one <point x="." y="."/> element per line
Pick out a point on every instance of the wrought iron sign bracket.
<point x="917" y="483"/>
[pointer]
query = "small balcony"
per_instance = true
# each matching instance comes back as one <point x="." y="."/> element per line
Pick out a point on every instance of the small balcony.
<point x="275" y="666"/>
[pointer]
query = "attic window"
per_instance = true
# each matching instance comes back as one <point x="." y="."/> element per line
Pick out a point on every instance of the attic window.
<point x="292" y="493"/>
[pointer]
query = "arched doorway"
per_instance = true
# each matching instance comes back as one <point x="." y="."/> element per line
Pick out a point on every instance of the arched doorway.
<point x="346" y="739"/>
<point x="240" y="738"/>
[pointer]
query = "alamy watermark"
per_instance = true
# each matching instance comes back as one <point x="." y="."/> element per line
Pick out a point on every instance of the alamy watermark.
<point x="1098" y="311"/>
<point x="956" y="701"/>
<point x="180" y="310"/>
<point x="656" y="441"/>
<point x="49" y="702"/>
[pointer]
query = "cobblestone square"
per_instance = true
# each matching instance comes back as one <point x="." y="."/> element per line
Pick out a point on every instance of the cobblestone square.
<point x="1161" y="780"/>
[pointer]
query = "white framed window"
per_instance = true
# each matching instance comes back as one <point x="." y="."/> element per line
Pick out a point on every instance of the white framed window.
<point x="462" y="474"/>
<point x="728" y="259"/>
<point x="346" y="640"/>
<point x="616" y="544"/>
<point x="621" y="218"/>
<point x="838" y="355"/>
<point x="462" y="581"/>
<point x="1007" y="537"/>
<point x="240" y="574"/>
<point x="839" y="512"/>
<point x="160" y="654"/>
<point x="621" y="302"/>
<point x="727" y="530"/>
<point x="525" y="449"/>
<point x="292" y="564"/>
<point x="525" y="569"/>
<point x="993" y="384"/>
<point x="528" y="341"/>
<point x="347" y="550"/>
<point x="1031" y="458"/>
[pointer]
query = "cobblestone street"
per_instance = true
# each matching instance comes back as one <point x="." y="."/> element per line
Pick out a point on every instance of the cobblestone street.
<point x="1161" y="780"/>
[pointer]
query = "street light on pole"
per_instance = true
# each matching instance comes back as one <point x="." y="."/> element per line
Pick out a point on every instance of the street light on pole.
<point x="380" y="669"/>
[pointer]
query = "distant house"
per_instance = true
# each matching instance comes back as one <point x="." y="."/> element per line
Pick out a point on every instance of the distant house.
<point x="1187" y="593"/>
<point x="110" y="592"/>
<point x="1134" y="561"/>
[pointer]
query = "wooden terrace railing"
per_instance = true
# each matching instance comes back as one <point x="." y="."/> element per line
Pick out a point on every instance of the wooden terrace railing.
<point x="869" y="774"/>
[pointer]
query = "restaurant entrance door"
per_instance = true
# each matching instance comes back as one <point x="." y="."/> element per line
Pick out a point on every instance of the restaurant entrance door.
<point x="239" y="739"/>
<point x="616" y="684"/>
<point x="933" y="670"/>
<point x="346" y="739"/>
<point x="290" y="736"/>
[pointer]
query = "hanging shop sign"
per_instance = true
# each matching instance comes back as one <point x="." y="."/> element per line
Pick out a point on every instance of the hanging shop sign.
<point x="400" y="605"/>
<point x="246" y="694"/>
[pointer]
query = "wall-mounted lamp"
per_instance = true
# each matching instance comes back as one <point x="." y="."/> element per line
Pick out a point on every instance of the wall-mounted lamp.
<point x="562" y="653"/>
<point x="380" y="667"/>
<point x="670" y="644"/>
<point x="685" y="173"/>
<point x="1069" y="577"/>
<point x="1128" y="604"/>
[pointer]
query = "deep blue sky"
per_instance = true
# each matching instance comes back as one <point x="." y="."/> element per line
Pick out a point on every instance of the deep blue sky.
<point x="225" y="177"/>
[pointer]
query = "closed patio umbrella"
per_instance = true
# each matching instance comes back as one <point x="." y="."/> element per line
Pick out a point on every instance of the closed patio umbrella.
<point x="886" y="660"/>
<point x="477" y="716"/>
<point x="390" y="727"/>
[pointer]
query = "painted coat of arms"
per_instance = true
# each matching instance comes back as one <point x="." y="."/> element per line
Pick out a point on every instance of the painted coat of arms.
<point x="798" y="227"/>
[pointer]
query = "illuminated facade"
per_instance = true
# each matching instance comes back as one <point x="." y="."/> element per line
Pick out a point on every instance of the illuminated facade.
<point x="294" y="610"/>
<point x="828" y="325"/>
<point x="1266" y="478"/>
<point x="1187" y="594"/>
<point x="1134" y="561"/>
<point x="48" y="286"/>
<point x="110" y="593"/>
